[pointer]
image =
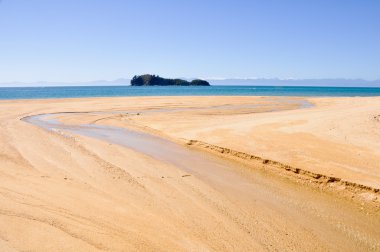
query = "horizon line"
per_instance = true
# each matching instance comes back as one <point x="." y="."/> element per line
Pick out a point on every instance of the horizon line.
<point x="190" y="78"/>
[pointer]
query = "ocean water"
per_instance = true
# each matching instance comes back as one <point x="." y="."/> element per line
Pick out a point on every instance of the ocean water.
<point x="114" y="91"/>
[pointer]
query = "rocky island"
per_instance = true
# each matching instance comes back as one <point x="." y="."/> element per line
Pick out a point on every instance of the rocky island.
<point x="155" y="80"/>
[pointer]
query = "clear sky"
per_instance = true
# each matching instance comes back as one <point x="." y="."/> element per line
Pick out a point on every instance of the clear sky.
<point x="84" y="40"/>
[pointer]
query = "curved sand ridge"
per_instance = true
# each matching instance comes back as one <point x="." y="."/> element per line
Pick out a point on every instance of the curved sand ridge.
<point x="331" y="183"/>
<point x="87" y="194"/>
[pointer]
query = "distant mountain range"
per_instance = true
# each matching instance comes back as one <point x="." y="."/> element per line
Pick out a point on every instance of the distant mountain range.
<point x="117" y="82"/>
<point x="298" y="82"/>
<point x="237" y="81"/>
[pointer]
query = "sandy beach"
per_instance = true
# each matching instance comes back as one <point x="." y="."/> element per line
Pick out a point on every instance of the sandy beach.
<point x="294" y="174"/>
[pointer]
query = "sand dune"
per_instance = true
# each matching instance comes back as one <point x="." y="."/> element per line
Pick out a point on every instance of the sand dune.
<point x="67" y="192"/>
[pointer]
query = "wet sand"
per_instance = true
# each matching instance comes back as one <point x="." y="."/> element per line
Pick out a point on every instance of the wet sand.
<point x="85" y="193"/>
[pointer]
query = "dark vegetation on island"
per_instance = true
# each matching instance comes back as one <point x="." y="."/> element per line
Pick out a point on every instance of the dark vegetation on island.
<point x="155" y="80"/>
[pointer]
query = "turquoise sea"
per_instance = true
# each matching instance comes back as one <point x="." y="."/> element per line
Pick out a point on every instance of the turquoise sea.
<point x="114" y="91"/>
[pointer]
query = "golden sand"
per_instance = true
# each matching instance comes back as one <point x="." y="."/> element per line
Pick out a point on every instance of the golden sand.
<point x="64" y="192"/>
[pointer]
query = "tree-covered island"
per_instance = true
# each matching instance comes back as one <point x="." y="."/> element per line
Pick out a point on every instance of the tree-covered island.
<point x="155" y="80"/>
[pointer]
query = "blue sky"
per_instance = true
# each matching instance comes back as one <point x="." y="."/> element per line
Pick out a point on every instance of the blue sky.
<point x="84" y="40"/>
